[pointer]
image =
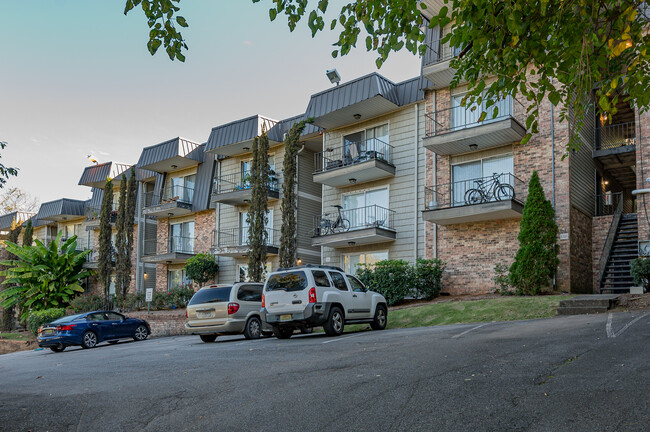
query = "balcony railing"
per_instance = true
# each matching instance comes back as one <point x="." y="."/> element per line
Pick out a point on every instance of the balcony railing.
<point x="353" y="153"/>
<point x="93" y="213"/>
<point x="610" y="203"/>
<point x="236" y="237"/>
<point x="241" y="181"/>
<point x="175" y="193"/>
<point x="615" y="135"/>
<point x="372" y="216"/>
<point x="459" y="118"/>
<point x="176" y="244"/>
<point x="497" y="187"/>
<point x="439" y="52"/>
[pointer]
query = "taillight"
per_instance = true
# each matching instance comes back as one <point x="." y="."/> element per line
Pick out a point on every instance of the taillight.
<point x="186" y="315"/>
<point x="65" y="327"/>
<point x="263" y="301"/>
<point x="312" y="295"/>
<point x="233" y="308"/>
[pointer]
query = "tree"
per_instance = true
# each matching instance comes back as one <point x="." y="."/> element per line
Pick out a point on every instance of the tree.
<point x="105" y="254"/>
<point x="289" y="205"/>
<point x="5" y="172"/>
<point x="257" y="211"/>
<point x="131" y="201"/>
<point x="536" y="260"/>
<point x="28" y="235"/>
<point x="540" y="49"/>
<point x="42" y="277"/>
<point x="16" y="199"/>
<point x="201" y="268"/>
<point x="9" y="312"/>
<point x="121" y="268"/>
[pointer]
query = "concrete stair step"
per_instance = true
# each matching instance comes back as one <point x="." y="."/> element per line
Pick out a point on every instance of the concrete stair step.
<point x="581" y="310"/>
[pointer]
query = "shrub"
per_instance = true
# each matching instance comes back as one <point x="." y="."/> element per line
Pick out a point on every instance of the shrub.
<point x="38" y="318"/>
<point x="129" y="302"/>
<point x="391" y="278"/>
<point x="160" y="300"/>
<point x="201" y="268"/>
<point x="180" y="296"/>
<point x="640" y="271"/>
<point x="87" y="303"/>
<point x="502" y="280"/>
<point x="428" y="277"/>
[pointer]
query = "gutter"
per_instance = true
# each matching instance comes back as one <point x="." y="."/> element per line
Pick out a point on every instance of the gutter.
<point x="416" y="225"/>
<point x="640" y="191"/>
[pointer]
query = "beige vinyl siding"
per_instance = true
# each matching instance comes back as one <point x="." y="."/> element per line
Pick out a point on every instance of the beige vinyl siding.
<point x="306" y="172"/>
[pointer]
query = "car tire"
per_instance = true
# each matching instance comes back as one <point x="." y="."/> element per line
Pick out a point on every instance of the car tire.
<point x="208" y="338"/>
<point x="57" y="348"/>
<point x="88" y="340"/>
<point x="335" y="323"/>
<point x="141" y="333"/>
<point x="253" y="329"/>
<point x="381" y="318"/>
<point x="283" y="332"/>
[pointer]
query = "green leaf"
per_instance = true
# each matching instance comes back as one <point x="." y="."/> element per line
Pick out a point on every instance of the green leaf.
<point x="181" y="21"/>
<point x="272" y="14"/>
<point x="554" y="97"/>
<point x="153" y="46"/>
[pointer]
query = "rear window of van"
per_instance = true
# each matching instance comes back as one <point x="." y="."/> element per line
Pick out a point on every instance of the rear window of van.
<point x="211" y="295"/>
<point x="289" y="281"/>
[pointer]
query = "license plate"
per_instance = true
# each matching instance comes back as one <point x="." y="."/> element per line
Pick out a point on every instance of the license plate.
<point x="285" y="317"/>
<point x="203" y="314"/>
<point x="47" y="332"/>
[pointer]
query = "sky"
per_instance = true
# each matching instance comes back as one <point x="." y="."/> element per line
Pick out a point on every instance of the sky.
<point x="76" y="79"/>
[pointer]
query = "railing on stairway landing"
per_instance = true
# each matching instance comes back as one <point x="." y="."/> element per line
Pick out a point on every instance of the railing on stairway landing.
<point x="609" y="241"/>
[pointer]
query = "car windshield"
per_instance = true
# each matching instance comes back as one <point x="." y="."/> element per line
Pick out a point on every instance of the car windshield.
<point x="66" y="319"/>
<point x="211" y="295"/>
<point x="289" y="281"/>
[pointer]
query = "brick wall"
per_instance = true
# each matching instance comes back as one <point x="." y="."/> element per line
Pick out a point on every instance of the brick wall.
<point x="643" y="172"/>
<point x="163" y="323"/>
<point x="599" y="228"/>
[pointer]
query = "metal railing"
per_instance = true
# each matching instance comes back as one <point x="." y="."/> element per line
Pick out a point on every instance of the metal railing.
<point x="372" y="216"/>
<point x="241" y="181"/>
<point x="234" y="237"/>
<point x="93" y="213"/>
<point x="497" y="187"/>
<point x="460" y="117"/>
<point x="617" y="212"/>
<point x="615" y="135"/>
<point x="353" y="153"/>
<point x="177" y="244"/>
<point x="610" y="203"/>
<point x="175" y="193"/>
<point x="439" y="52"/>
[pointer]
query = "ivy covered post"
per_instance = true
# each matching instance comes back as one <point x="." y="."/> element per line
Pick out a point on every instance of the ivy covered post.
<point x="120" y="242"/>
<point x="289" y="205"/>
<point x="9" y="312"/>
<point x="536" y="260"/>
<point x="131" y="202"/>
<point x="105" y="253"/>
<point x="257" y="235"/>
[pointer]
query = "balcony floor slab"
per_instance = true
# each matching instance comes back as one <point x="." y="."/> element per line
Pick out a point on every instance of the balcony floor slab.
<point x="170" y="258"/>
<point x="507" y="209"/>
<point x="168" y="209"/>
<point x="240" y="251"/>
<point x="372" y="235"/>
<point x="374" y="169"/>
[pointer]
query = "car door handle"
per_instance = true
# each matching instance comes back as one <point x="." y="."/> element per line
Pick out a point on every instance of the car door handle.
<point x="114" y="323"/>
<point x="354" y="295"/>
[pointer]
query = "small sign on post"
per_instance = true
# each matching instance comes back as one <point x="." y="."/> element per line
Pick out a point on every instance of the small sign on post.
<point x="148" y="297"/>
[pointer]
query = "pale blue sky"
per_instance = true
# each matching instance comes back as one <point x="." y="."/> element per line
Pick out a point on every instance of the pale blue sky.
<point x="76" y="79"/>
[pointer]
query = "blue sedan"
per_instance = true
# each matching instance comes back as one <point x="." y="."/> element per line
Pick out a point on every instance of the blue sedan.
<point x="90" y="328"/>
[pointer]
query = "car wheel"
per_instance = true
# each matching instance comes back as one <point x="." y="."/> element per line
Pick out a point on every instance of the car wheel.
<point x="141" y="333"/>
<point x="89" y="340"/>
<point x="58" y="348"/>
<point x="208" y="338"/>
<point x="253" y="328"/>
<point x="113" y="342"/>
<point x="283" y="332"/>
<point x="335" y="323"/>
<point x="381" y="318"/>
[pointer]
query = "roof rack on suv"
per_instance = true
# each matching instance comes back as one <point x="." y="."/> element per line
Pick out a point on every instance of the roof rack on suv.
<point x="312" y="266"/>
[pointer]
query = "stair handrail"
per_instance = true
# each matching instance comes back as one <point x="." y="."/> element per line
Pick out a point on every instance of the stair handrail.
<point x="609" y="241"/>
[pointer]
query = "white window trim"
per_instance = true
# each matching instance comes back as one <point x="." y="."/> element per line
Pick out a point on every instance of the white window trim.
<point x="453" y="180"/>
<point x="365" y="191"/>
<point x="387" y="123"/>
<point x="348" y="254"/>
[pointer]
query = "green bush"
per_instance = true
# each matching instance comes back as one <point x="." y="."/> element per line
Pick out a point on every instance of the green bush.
<point x="38" y="318"/>
<point x="87" y="303"/>
<point x="201" y="268"/>
<point x="640" y="271"/>
<point x="129" y="302"/>
<point x="428" y="277"/>
<point x="391" y="278"/>
<point x="161" y="300"/>
<point x="502" y="280"/>
<point x="180" y="296"/>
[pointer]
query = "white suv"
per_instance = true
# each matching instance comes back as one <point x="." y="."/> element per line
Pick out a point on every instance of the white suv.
<point x="315" y="295"/>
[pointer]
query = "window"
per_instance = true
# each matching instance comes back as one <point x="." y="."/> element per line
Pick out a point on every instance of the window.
<point x="182" y="188"/>
<point x="246" y="171"/>
<point x="367" y="208"/>
<point x="177" y="278"/>
<point x="356" y="284"/>
<point x="464" y="116"/>
<point x="251" y="293"/>
<point x="211" y="295"/>
<point x="320" y="278"/>
<point x="181" y="237"/>
<point x="289" y="281"/>
<point x="367" y="144"/>
<point x="244" y="226"/>
<point x="243" y="273"/>
<point x="339" y="281"/>
<point x="98" y="316"/>
<point x="112" y="316"/>
<point x="465" y="175"/>
<point x="350" y="261"/>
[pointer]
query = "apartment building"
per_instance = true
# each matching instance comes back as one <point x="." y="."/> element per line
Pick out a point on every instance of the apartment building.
<point x="370" y="167"/>
<point x="477" y="177"/>
<point x="231" y="192"/>
<point x="175" y="210"/>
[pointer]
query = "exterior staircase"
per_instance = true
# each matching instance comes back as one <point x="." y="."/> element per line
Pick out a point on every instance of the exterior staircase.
<point x="616" y="278"/>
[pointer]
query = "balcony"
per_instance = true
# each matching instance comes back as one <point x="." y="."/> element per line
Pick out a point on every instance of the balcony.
<point x="353" y="227"/>
<point x="615" y="149"/>
<point x="236" y="189"/>
<point x="500" y="196"/>
<point x="178" y="250"/>
<point x="354" y="163"/>
<point x="436" y="63"/>
<point x="93" y="215"/>
<point x="175" y="201"/>
<point x="460" y="130"/>
<point x="177" y="153"/>
<point x="234" y="242"/>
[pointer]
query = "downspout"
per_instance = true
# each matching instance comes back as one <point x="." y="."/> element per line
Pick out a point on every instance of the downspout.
<point x="553" y="179"/>
<point x="322" y="196"/>
<point x="297" y="197"/>
<point x="140" y="244"/>
<point x="415" y="185"/>
<point x="218" y="221"/>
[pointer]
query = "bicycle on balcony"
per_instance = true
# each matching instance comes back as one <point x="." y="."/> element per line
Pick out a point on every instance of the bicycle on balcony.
<point x="488" y="190"/>
<point x="340" y="224"/>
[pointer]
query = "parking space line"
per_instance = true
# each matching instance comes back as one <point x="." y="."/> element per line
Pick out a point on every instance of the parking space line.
<point x="343" y="338"/>
<point x="469" y="330"/>
<point x="608" y="327"/>
<point x="628" y="325"/>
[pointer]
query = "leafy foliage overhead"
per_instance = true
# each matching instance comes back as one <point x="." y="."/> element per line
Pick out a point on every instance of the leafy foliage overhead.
<point x="5" y="172"/>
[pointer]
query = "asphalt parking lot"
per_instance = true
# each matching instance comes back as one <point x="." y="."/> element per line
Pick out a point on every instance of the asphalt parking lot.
<point x="575" y="373"/>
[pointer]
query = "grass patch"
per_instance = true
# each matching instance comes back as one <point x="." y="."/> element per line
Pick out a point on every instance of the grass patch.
<point x="14" y="336"/>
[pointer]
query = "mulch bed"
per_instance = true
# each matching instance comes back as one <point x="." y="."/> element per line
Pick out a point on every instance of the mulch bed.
<point x="634" y="301"/>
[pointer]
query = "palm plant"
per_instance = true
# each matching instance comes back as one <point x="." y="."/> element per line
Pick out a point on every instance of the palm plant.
<point x="41" y="277"/>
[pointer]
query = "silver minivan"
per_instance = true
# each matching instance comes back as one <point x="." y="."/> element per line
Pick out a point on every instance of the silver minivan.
<point x="217" y="310"/>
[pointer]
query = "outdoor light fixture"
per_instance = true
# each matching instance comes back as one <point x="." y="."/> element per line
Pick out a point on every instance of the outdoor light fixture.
<point x="606" y="182"/>
<point x="246" y="201"/>
<point x="299" y="261"/>
<point x="170" y="214"/>
<point x="473" y="147"/>
<point x="246" y="148"/>
<point x="351" y="243"/>
<point x="357" y="116"/>
<point x="333" y="76"/>
<point x="174" y="166"/>
<point x="146" y="275"/>
<point x="353" y="181"/>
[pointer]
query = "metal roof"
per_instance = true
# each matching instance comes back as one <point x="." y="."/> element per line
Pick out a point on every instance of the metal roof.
<point x="96" y="175"/>
<point x="61" y="209"/>
<point x="18" y="216"/>
<point x="173" y="154"/>
<point x="283" y="126"/>
<point x="237" y="132"/>
<point x="203" y="183"/>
